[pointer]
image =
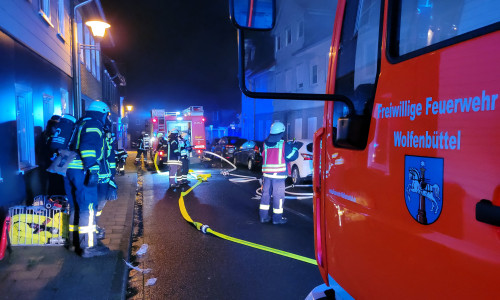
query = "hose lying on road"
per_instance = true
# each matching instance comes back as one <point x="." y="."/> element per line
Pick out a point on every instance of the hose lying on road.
<point x="244" y="178"/>
<point x="206" y="229"/>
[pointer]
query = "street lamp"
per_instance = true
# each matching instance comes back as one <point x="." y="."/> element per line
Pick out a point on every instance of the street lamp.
<point x="129" y="108"/>
<point x="98" y="30"/>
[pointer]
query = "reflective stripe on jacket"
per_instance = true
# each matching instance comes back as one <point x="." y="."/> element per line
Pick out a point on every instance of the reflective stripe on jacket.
<point x="88" y="145"/>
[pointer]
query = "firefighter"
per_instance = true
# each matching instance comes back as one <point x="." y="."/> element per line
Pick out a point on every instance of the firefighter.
<point x="82" y="177"/>
<point x="185" y="149"/>
<point x="52" y="184"/>
<point x="162" y="141"/>
<point x="173" y="157"/>
<point x="106" y="188"/>
<point x="275" y="156"/>
<point x="142" y="144"/>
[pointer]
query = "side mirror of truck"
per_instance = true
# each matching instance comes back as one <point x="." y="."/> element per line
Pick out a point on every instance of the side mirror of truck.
<point x="253" y="14"/>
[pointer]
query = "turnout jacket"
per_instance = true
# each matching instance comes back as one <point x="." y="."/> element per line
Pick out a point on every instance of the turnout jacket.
<point x="89" y="144"/>
<point x="173" y="152"/>
<point x="275" y="158"/>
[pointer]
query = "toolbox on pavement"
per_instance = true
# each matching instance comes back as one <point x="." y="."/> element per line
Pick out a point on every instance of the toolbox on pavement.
<point x="44" y="223"/>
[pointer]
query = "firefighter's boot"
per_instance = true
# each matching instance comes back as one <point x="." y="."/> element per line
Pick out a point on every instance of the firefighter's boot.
<point x="101" y="233"/>
<point x="264" y="216"/>
<point x="97" y="250"/>
<point x="279" y="220"/>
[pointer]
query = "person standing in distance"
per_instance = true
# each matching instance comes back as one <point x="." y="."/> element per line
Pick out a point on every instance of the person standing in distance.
<point x="185" y="149"/>
<point x="275" y="156"/>
<point x="173" y="158"/>
<point x="141" y="148"/>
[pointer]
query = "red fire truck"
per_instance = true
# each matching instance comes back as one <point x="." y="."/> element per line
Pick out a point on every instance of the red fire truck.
<point x="190" y="121"/>
<point x="406" y="165"/>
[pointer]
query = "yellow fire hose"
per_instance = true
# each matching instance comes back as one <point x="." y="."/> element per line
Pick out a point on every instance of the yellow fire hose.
<point x="206" y="229"/>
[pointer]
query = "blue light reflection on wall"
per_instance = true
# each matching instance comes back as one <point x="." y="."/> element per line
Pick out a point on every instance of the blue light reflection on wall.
<point x="29" y="73"/>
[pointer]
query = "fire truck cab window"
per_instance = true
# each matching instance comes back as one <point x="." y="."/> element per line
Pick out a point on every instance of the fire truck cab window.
<point x="357" y="64"/>
<point x="423" y="23"/>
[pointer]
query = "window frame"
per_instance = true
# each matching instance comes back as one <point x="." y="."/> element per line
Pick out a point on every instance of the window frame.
<point x="300" y="29"/>
<point x="27" y="131"/>
<point x="342" y="110"/>
<point x="44" y="11"/>
<point x="61" y="26"/>
<point x="48" y="108"/>
<point x="288" y="36"/>
<point x="314" y="74"/>
<point x="393" y="17"/>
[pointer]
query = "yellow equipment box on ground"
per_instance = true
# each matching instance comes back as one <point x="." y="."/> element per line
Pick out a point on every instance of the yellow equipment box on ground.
<point x="38" y="225"/>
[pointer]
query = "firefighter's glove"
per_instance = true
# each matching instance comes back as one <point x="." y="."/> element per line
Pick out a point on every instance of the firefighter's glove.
<point x="112" y="194"/>
<point x="92" y="178"/>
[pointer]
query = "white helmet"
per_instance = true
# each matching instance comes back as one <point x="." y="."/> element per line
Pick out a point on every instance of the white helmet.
<point x="69" y="117"/>
<point x="277" y="127"/>
<point x="98" y="106"/>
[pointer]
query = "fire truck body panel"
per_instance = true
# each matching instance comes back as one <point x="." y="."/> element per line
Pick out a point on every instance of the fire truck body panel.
<point x="412" y="211"/>
<point x="440" y="150"/>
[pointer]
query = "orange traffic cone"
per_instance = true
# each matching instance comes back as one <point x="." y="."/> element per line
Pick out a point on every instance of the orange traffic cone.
<point x="5" y="232"/>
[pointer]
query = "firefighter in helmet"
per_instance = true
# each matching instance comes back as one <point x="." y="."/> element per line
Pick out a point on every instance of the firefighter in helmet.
<point x="106" y="188"/>
<point x="185" y="149"/>
<point x="142" y="147"/>
<point x="173" y="157"/>
<point x="275" y="156"/>
<point x="82" y="177"/>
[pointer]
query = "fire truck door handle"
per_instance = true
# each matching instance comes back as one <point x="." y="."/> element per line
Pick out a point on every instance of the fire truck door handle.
<point x="488" y="213"/>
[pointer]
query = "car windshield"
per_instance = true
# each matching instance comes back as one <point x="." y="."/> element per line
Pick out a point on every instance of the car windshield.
<point x="235" y="141"/>
<point x="309" y="147"/>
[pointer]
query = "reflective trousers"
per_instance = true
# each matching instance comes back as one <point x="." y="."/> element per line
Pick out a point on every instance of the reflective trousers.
<point x="102" y="191"/>
<point x="83" y="211"/>
<point x="172" y="173"/>
<point x="184" y="168"/>
<point x="276" y="187"/>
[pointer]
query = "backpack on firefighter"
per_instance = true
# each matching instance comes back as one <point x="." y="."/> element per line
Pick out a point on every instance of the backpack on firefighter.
<point x="65" y="132"/>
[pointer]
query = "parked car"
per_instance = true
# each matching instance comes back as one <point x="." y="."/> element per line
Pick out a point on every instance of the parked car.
<point x="227" y="145"/>
<point x="249" y="154"/>
<point x="301" y="169"/>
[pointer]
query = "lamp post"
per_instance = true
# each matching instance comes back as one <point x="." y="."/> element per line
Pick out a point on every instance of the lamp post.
<point x="98" y="30"/>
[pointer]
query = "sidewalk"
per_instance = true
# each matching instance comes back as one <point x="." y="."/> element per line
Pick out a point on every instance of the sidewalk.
<point x="53" y="272"/>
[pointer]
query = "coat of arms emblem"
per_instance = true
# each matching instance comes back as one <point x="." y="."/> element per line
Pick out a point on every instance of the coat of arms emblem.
<point x="424" y="188"/>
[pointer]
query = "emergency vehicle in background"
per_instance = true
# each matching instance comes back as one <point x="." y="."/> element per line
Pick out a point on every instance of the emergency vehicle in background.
<point x="189" y="121"/>
<point x="407" y="162"/>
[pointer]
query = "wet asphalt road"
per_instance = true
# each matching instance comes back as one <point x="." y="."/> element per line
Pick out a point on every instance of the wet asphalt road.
<point x="190" y="265"/>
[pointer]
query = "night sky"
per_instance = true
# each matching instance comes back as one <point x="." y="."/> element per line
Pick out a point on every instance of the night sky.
<point x="175" y="54"/>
